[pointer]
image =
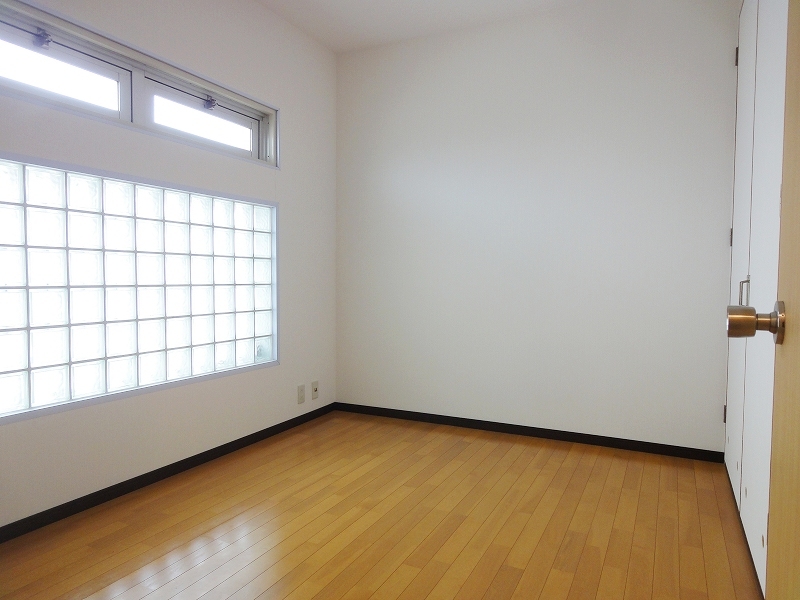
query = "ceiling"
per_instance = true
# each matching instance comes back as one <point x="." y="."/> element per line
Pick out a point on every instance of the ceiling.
<point x="344" y="25"/>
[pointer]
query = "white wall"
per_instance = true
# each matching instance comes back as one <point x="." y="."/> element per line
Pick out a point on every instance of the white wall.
<point x="49" y="460"/>
<point x="533" y="220"/>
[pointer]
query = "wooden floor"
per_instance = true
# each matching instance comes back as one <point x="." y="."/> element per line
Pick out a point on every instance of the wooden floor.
<point x="351" y="506"/>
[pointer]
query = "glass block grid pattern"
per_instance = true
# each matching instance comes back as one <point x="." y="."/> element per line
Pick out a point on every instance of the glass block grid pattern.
<point x="109" y="285"/>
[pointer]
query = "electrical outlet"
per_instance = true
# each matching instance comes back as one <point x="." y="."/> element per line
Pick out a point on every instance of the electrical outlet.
<point x="314" y="390"/>
<point x="301" y="394"/>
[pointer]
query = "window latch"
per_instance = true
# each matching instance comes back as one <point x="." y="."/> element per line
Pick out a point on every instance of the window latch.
<point x="210" y="103"/>
<point x="42" y="39"/>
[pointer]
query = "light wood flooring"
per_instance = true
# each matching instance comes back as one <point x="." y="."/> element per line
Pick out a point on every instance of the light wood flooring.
<point x="352" y="506"/>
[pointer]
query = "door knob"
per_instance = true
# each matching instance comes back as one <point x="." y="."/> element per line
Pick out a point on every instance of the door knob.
<point x="743" y="321"/>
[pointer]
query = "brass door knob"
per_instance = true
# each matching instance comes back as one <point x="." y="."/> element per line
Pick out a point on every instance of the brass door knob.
<point x="743" y="321"/>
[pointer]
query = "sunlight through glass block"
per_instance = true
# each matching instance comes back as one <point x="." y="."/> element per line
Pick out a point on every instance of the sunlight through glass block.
<point x="177" y="270"/>
<point x="202" y="300"/>
<point x="262" y="218"/>
<point x="223" y="213"/>
<point x="178" y="301"/>
<point x="263" y="323"/>
<point x="86" y="305"/>
<point x="151" y="302"/>
<point x="201" y="239"/>
<point x="223" y="299"/>
<point x="224" y="327"/>
<point x="264" y="349"/>
<point x="225" y="356"/>
<point x="49" y="386"/>
<point x="262" y="270"/>
<point x="49" y="346"/>
<point x="152" y="335"/>
<point x="120" y="338"/>
<point x="12" y="230"/>
<point x="48" y="307"/>
<point x="179" y="332"/>
<point x="202" y="330"/>
<point x="13" y="392"/>
<point x="149" y="236"/>
<point x="10" y="182"/>
<point x="244" y="298"/>
<point x="84" y="192"/>
<point x="179" y="363"/>
<point x="13" y="350"/>
<point x="12" y="267"/>
<point x="176" y="238"/>
<point x="47" y="267"/>
<point x="44" y="187"/>
<point x="88" y="342"/>
<point x="85" y="230"/>
<point x="118" y="198"/>
<point x="223" y="270"/>
<point x="152" y="368"/>
<point x="46" y="227"/>
<point x="149" y="202"/>
<point x="262" y="245"/>
<point x="202" y="359"/>
<point x="120" y="268"/>
<point x="121" y="373"/>
<point x="244" y="325"/>
<point x="202" y="270"/>
<point x="150" y="269"/>
<point x="243" y="243"/>
<point x="176" y="206"/>
<point x="223" y="241"/>
<point x="200" y="210"/>
<point x="263" y="300"/>
<point x="119" y="233"/>
<point x="244" y="352"/>
<point x="121" y="303"/>
<point x="89" y="379"/>
<point x="85" y="267"/>
<point x="13" y="309"/>
<point x="242" y="215"/>
<point x="244" y="270"/>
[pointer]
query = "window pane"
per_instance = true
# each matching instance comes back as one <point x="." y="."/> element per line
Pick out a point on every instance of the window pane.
<point x="178" y="301"/>
<point x="202" y="330"/>
<point x="262" y="270"/>
<point x="263" y="323"/>
<point x="152" y="368"/>
<point x="44" y="187"/>
<point x="49" y="386"/>
<point x="85" y="230"/>
<point x="121" y="303"/>
<point x="151" y="302"/>
<point x="223" y="270"/>
<point x="244" y="298"/>
<point x="13" y="350"/>
<point x="89" y="379"/>
<point x="13" y="392"/>
<point x="244" y="352"/>
<point x="201" y="210"/>
<point x="47" y="227"/>
<point x="47" y="267"/>
<point x="264" y="349"/>
<point x="223" y="241"/>
<point x="152" y="336"/>
<point x="201" y="240"/>
<point x="202" y="359"/>
<point x="263" y="299"/>
<point x="176" y="206"/>
<point x="244" y="243"/>
<point x="48" y="307"/>
<point x="12" y="267"/>
<point x="262" y="218"/>
<point x="118" y="197"/>
<point x="150" y="269"/>
<point x="86" y="305"/>
<point x="225" y="356"/>
<point x="244" y="325"/>
<point x="49" y="346"/>
<point x="177" y="270"/>
<point x="149" y="202"/>
<point x="149" y="236"/>
<point x="88" y="341"/>
<point x="13" y="309"/>
<point x="12" y="219"/>
<point x="262" y="245"/>
<point x="244" y="270"/>
<point x="120" y="268"/>
<point x="223" y="213"/>
<point x="85" y="267"/>
<point x="202" y="270"/>
<point x="119" y="233"/>
<point x="242" y="215"/>
<point x="202" y="300"/>
<point x="84" y="192"/>
<point x="121" y="373"/>
<point x="223" y="299"/>
<point x="179" y="363"/>
<point x="10" y="182"/>
<point x="224" y="327"/>
<point x="179" y="332"/>
<point x="200" y="123"/>
<point x="176" y="238"/>
<point x="120" y="338"/>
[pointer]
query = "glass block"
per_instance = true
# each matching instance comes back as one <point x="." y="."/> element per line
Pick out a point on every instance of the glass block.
<point x="201" y="239"/>
<point x="223" y="242"/>
<point x="121" y="373"/>
<point x="10" y="182"/>
<point x="262" y="218"/>
<point x="202" y="330"/>
<point x="179" y="332"/>
<point x="120" y="338"/>
<point x="44" y="187"/>
<point x="48" y="307"/>
<point x="225" y="356"/>
<point x="13" y="386"/>
<point x="150" y="269"/>
<point x="84" y="230"/>
<point x="176" y="206"/>
<point x="244" y="325"/>
<point x="119" y="233"/>
<point x="88" y="342"/>
<point x="49" y="386"/>
<point x="202" y="270"/>
<point x="223" y="270"/>
<point x="262" y="245"/>
<point x="152" y="368"/>
<point x="12" y="230"/>
<point x="263" y="323"/>
<point x="149" y="202"/>
<point x="244" y="298"/>
<point x="200" y="210"/>
<point x="49" y="346"/>
<point x="202" y="359"/>
<point x="224" y="327"/>
<point x="263" y="349"/>
<point x="176" y="238"/>
<point x="244" y="352"/>
<point x="202" y="300"/>
<point x="223" y="298"/>
<point x="242" y="215"/>
<point x="84" y="192"/>
<point x="178" y="301"/>
<point x="121" y="303"/>
<point x="263" y="300"/>
<point x="13" y="309"/>
<point x="86" y="305"/>
<point x="151" y="302"/>
<point x="47" y="227"/>
<point x="13" y="350"/>
<point x="262" y="270"/>
<point x="179" y="363"/>
<point x="118" y="198"/>
<point x="244" y="270"/>
<point x="177" y="270"/>
<point x="149" y="236"/>
<point x="47" y="267"/>
<point x="243" y="243"/>
<point x="89" y="379"/>
<point x="152" y="335"/>
<point x="12" y="267"/>
<point x="120" y="268"/>
<point x="85" y="267"/>
<point x="223" y="213"/>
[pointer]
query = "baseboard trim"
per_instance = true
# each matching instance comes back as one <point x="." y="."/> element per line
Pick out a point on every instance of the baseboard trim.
<point x="550" y="434"/>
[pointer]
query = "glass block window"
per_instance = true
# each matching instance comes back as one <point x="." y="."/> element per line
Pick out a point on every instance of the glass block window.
<point x="109" y="285"/>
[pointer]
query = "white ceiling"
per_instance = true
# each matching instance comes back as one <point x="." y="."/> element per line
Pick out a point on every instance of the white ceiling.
<point x="344" y="25"/>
